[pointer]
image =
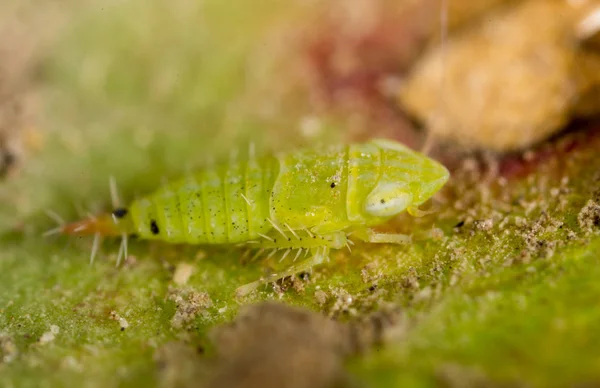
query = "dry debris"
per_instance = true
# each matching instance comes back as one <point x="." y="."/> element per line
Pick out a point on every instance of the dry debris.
<point x="123" y="324"/>
<point x="190" y="304"/>
<point x="589" y="217"/>
<point x="508" y="82"/>
<point x="321" y="297"/>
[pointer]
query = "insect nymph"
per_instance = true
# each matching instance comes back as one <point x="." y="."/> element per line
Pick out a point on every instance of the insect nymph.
<point x="308" y="201"/>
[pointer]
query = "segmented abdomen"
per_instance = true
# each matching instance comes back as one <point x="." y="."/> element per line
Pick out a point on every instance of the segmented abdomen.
<point x="223" y="204"/>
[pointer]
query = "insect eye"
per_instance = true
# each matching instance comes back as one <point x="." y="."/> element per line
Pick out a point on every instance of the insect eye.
<point x="387" y="200"/>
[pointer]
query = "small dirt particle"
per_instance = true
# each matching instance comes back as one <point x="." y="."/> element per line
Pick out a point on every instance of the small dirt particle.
<point x="298" y="285"/>
<point x="342" y="304"/>
<point x="372" y="272"/>
<point x="589" y="216"/>
<point x="189" y="305"/>
<point x="122" y="321"/>
<point x="294" y="282"/>
<point x="484" y="225"/>
<point x="321" y="297"/>
<point x="410" y="280"/>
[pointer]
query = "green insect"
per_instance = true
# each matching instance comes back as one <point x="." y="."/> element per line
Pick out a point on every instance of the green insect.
<point x="307" y="201"/>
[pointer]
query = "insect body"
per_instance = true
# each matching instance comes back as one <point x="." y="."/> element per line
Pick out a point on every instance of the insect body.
<point x="305" y="201"/>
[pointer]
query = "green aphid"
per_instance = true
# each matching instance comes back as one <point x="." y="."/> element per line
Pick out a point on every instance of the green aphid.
<point x="306" y="201"/>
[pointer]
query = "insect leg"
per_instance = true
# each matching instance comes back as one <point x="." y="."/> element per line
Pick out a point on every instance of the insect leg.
<point x="319" y="256"/>
<point x="372" y="236"/>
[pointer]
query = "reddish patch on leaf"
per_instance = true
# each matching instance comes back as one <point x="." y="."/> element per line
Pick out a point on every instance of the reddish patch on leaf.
<point x="580" y="138"/>
<point x="357" y="74"/>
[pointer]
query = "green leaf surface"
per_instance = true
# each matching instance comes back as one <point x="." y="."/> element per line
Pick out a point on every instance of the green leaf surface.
<point x="505" y="291"/>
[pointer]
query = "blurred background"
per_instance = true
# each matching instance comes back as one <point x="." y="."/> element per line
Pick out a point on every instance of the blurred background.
<point x="505" y="93"/>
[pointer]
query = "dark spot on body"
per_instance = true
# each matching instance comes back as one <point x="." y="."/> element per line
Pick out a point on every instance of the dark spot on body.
<point x="304" y="276"/>
<point x="332" y="185"/>
<point x="382" y="200"/>
<point x="373" y="287"/>
<point x="154" y="227"/>
<point x="458" y="225"/>
<point x="120" y="212"/>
